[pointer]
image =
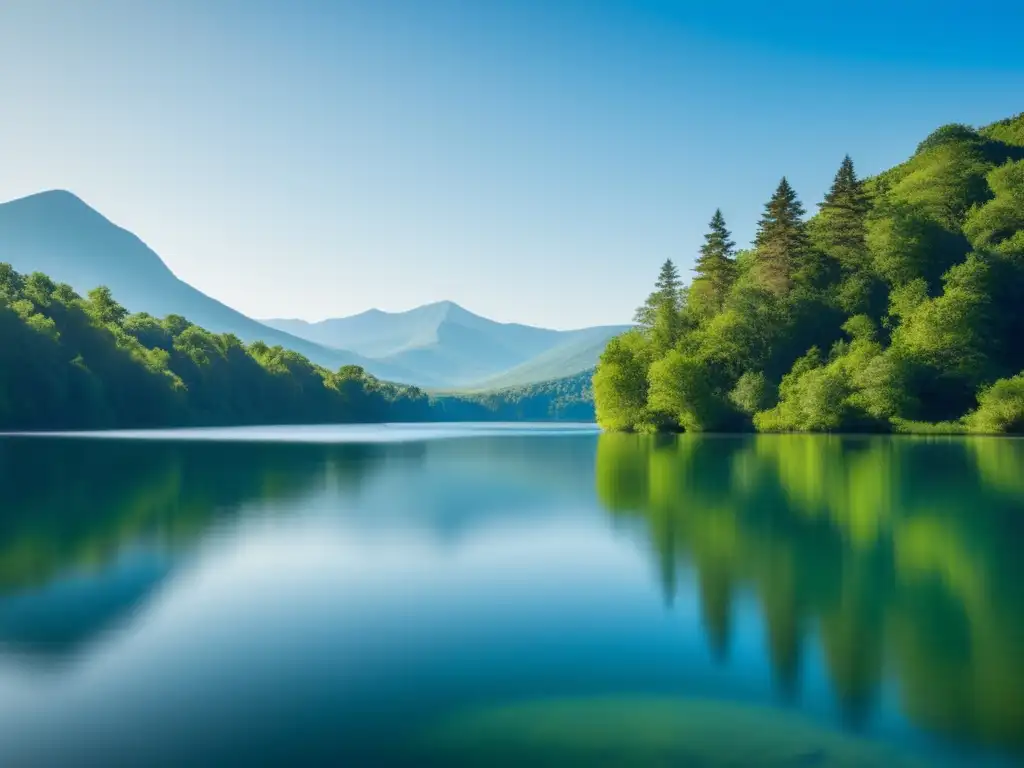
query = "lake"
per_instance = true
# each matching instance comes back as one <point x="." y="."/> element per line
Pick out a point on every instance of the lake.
<point x="509" y="594"/>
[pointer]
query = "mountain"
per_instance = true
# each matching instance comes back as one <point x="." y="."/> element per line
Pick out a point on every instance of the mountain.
<point x="57" y="233"/>
<point x="440" y="346"/>
<point x="450" y="347"/>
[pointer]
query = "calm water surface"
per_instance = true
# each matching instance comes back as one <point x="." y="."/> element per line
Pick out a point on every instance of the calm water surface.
<point x="481" y="595"/>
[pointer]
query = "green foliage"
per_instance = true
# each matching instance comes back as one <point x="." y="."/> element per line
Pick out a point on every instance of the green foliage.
<point x="945" y="183"/>
<point x="812" y="398"/>
<point x="906" y="244"/>
<point x="839" y="233"/>
<point x="859" y="387"/>
<point x="11" y="283"/>
<point x="102" y="306"/>
<point x="752" y="393"/>
<point x="948" y="342"/>
<point x="840" y="227"/>
<point x="662" y="313"/>
<point x="567" y="399"/>
<point x="716" y="265"/>
<point x="740" y="337"/>
<point x="681" y="394"/>
<point x="903" y="426"/>
<point x="1009" y="131"/>
<point x="781" y="243"/>
<point x="620" y="386"/>
<point x="949" y="331"/>
<point x="1001" y="408"/>
<point x="620" y="382"/>
<point x="952" y="133"/>
<point x="69" y="363"/>
<point x="665" y="293"/>
<point x="999" y="224"/>
<point x="911" y="281"/>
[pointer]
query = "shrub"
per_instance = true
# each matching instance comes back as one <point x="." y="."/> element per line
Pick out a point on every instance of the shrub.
<point x="1001" y="408"/>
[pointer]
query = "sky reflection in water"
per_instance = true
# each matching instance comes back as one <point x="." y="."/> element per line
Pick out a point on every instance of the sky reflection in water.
<point x="431" y="601"/>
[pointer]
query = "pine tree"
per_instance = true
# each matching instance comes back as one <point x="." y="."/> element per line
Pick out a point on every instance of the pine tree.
<point x="666" y="295"/>
<point x="781" y="242"/>
<point x="661" y="314"/>
<point x="841" y="227"/>
<point x="716" y="264"/>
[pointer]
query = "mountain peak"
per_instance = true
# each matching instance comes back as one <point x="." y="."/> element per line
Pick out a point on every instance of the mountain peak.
<point x="59" y="194"/>
<point x="58" y="233"/>
<point x="445" y="309"/>
<point x="54" y="198"/>
<point x="431" y="307"/>
<point x="55" y="207"/>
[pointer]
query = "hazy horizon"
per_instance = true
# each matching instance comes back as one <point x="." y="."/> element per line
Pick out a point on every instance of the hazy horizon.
<point x="531" y="162"/>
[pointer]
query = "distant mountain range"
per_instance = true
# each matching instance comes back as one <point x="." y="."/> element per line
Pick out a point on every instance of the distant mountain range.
<point x="449" y="347"/>
<point x="437" y="346"/>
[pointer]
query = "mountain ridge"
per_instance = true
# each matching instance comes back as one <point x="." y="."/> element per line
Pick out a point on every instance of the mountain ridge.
<point x="447" y="341"/>
<point x="438" y="345"/>
<point x="453" y="305"/>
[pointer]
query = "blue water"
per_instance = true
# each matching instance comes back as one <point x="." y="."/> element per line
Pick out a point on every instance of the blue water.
<point x="468" y="594"/>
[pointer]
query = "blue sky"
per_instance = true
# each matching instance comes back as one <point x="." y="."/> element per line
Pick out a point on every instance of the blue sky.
<point x="534" y="160"/>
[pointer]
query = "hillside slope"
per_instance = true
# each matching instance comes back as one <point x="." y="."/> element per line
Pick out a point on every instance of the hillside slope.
<point x="58" y="234"/>
<point x="570" y="398"/>
<point x="574" y="355"/>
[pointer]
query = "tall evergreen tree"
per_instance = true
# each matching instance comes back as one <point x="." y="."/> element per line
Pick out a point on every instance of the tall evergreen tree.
<point x="716" y="264"/>
<point x="661" y="314"/>
<point x="667" y="294"/>
<point x="841" y="228"/>
<point x="781" y="243"/>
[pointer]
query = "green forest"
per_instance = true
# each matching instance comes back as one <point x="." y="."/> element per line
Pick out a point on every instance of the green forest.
<point x="73" y="362"/>
<point x="895" y="308"/>
<point x="567" y="399"/>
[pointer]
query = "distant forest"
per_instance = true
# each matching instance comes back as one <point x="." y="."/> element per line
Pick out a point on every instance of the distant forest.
<point x="72" y="362"/>
<point x="897" y="307"/>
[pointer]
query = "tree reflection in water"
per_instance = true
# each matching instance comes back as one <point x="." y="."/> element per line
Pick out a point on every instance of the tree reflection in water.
<point x="899" y="555"/>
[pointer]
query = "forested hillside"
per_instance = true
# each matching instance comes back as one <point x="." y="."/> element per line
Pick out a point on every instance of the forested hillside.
<point x="567" y="399"/>
<point x="68" y="362"/>
<point x="897" y="307"/>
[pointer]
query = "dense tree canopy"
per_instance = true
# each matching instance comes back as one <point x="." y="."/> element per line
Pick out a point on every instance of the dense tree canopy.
<point x="567" y="399"/>
<point x="68" y="362"/>
<point x="896" y="307"/>
<point x="73" y="362"/>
